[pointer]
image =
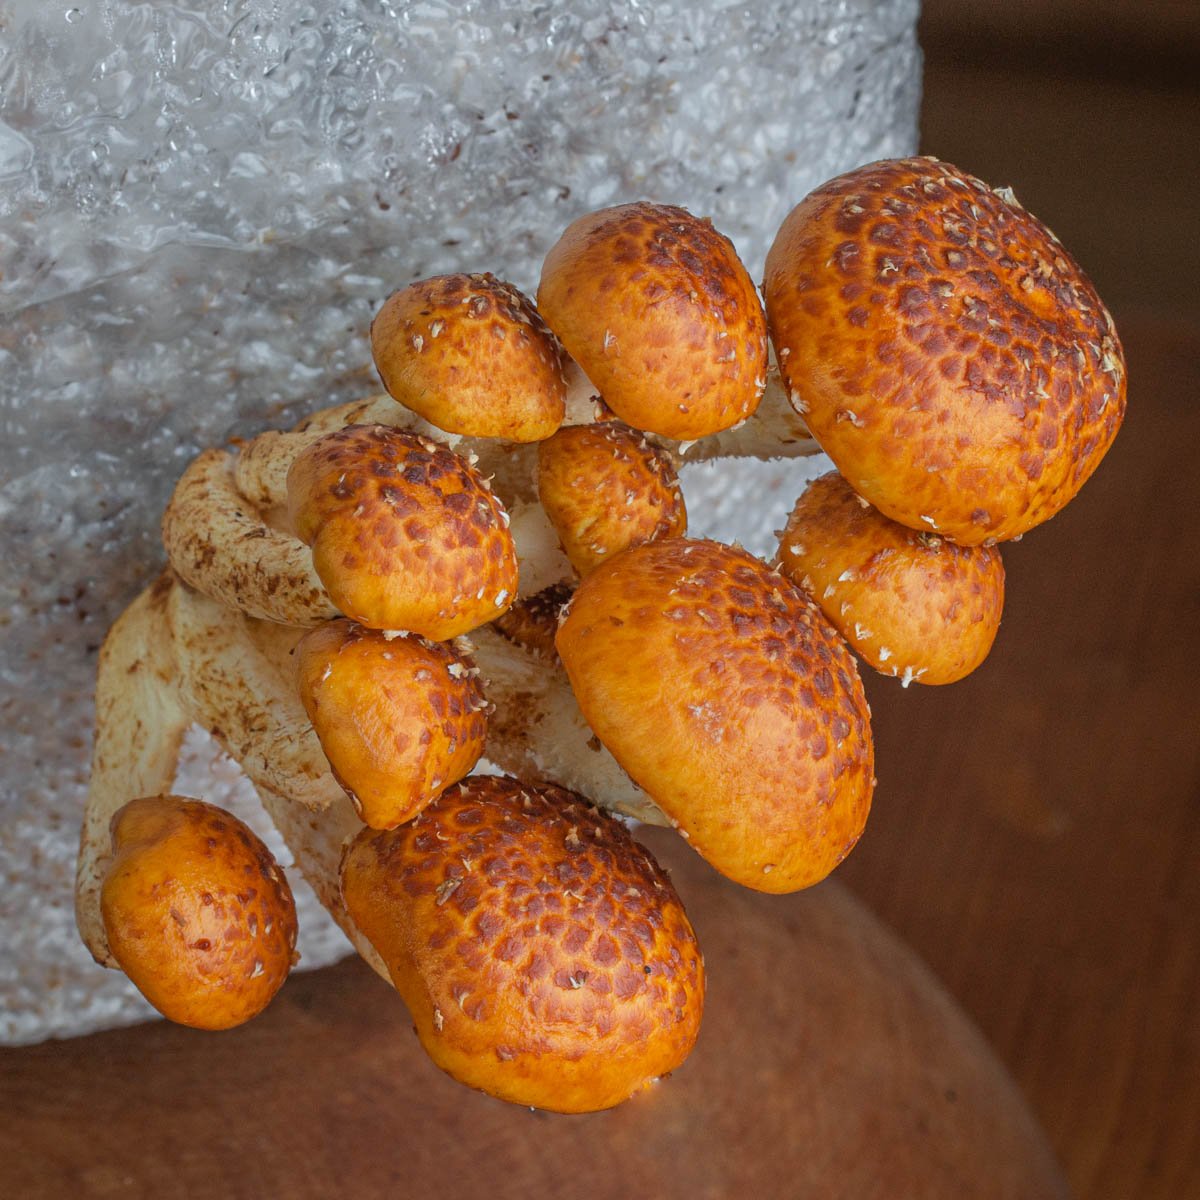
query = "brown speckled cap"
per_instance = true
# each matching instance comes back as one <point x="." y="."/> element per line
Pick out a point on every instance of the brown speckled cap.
<point x="655" y="306"/>
<point x="399" y="718"/>
<point x="197" y="912"/>
<point x="731" y="701"/>
<point x="532" y="622"/>
<point x="914" y="605"/>
<point x="948" y="354"/>
<point x="471" y="355"/>
<point x="542" y="952"/>
<point x="405" y="533"/>
<point x="606" y="488"/>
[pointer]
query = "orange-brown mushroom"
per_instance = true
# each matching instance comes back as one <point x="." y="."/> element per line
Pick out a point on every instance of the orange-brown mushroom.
<point x="398" y="718"/>
<point x="914" y="605"/>
<point x="731" y="701"/>
<point x="543" y="954"/>
<point x="471" y="355"/>
<point x="948" y="354"/>
<point x="533" y="622"/>
<point x="605" y="488"/>
<point x="405" y="534"/>
<point x="196" y="911"/>
<point x="655" y="306"/>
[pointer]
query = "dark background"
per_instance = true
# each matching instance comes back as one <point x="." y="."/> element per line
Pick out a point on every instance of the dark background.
<point x="1091" y="108"/>
<point x="1036" y="835"/>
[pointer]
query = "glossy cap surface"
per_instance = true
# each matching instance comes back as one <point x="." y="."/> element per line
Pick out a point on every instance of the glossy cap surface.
<point x="606" y="488"/>
<point x="731" y="701"/>
<point x="197" y="911"/>
<point x="946" y="351"/>
<point x="398" y="718"/>
<point x="471" y="355"/>
<point x="405" y="534"/>
<point x="543" y="954"/>
<point x="914" y="605"/>
<point x="655" y="306"/>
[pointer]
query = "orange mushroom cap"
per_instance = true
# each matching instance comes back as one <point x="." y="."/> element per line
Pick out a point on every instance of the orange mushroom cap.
<point x="730" y="701"/>
<point x="948" y="354"/>
<point x="405" y="533"/>
<point x="914" y="605"/>
<point x="196" y="911"/>
<point x="543" y="954"/>
<point x="471" y="355"/>
<point x="606" y="488"/>
<point x="655" y="306"/>
<point x="533" y="621"/>
<point x="398" y="718"/>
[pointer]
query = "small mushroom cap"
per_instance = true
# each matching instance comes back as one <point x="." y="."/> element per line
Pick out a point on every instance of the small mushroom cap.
<point x="197" y="912"/>
<point x="542" y="952"/>
<point x="606" y="488"/>
<point x="405" y="533"/>
<point x="471" y="355"/>
<point x="532" y="623"/>
<point x="731" y="701"/>
<point x="914" y="605"/>
<point x="945" y="350"/>
<point x="655" y="306"/>
<point x="398" y="718"/>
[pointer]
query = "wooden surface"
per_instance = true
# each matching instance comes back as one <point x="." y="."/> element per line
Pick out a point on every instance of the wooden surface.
<point x="829" y="1065"/>
<point x="1037" y="833"/>
<point x="1036" y="836"/>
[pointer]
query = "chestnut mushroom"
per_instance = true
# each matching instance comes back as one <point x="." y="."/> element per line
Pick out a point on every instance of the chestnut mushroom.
<point x="197" y="912"/>
<point x="227" y="532"/>
<point x="471" y="355"/>
<point x="542" y="952"/>
<point x="399" y="718"/>
<point x="913" y="605"/>
<point x="141" y="717"/>
<point x="237" y="678"/>
<point x="177" y="657"/>
<point x="655" y="306"/>
<point x="532" y="623"/>
<point x="731" y="701"/>
<point x="405" y="534"/>
<point x="605" y="488"/>
<point x="949" y="355"/>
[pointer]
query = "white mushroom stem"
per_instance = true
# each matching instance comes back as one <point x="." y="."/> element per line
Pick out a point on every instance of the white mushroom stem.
<point x="262" y="465"/>
<point x="237" y="681"/>
<point x="222" y="545"/>
<point x="177" y="657"/>
<point x="538" y="733"/>
<point x="583" y="397"/>
<point x="140" y="722"/>
<point x="215" y="517"/>
<point x="540" y="556"/>
<point x="234" y="688"/>
<point x="260" y="470"/>
<point x="250" y="705"/>
<point x="775" y="430"/>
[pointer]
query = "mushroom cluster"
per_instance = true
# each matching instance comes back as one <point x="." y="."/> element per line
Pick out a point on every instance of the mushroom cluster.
<point x="489" y="564"/>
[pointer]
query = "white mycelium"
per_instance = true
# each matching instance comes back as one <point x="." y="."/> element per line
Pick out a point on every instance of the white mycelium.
<point x="201" y="206"/>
